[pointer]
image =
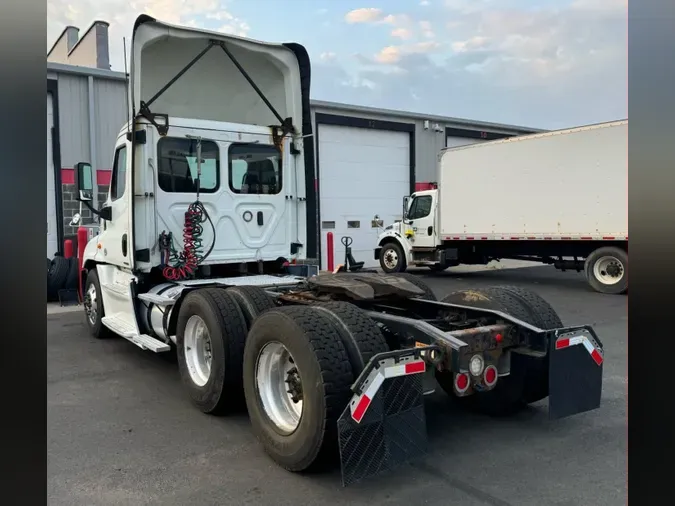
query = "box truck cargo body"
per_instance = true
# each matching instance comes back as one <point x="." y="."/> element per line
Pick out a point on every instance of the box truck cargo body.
<point x="556" y="197"/>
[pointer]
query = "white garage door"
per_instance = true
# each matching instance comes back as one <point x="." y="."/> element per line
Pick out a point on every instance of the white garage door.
<point x="52" y="235"/>
<point x="363" y="173"/>
<point x="453" y="142"/>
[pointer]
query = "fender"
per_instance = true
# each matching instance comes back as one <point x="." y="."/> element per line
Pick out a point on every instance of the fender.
<point x="91" y="251"/>
<point x="394" y="235"/>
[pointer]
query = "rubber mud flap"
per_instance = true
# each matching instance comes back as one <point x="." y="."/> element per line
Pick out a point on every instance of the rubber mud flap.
<point x="392" y="431"/>
<point x="575" y="371"/>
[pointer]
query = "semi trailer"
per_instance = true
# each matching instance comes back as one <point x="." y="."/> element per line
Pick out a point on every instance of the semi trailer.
<point x="560" y="198"/>
<point x="200" y="253"/>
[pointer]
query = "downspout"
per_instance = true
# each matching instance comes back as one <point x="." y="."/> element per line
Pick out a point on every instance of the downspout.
<point x="92" y="142"/>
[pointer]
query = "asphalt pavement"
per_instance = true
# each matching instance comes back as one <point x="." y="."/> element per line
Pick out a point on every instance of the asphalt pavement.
<point x="121" y="430"/>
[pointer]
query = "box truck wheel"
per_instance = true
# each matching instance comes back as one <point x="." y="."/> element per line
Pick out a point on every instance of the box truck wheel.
<point x="93" y="307"/>
<point x="392" y="258"/>
<point x="528" y="381"/>
<point x="210" y="336"/>
<point x="606" y="270"/>
<point x="296" y="382"/>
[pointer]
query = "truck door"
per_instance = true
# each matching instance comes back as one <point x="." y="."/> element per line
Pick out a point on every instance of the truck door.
<point x="421" y="218"/>
<point x="115" y="241"/>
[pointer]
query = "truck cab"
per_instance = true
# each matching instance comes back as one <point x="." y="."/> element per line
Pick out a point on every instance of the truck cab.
<point x="414" y="240"/>
<point x="209" y="175"/>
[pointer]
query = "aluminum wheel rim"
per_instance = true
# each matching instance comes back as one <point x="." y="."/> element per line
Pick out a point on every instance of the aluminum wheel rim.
<point x="274" y="372"/>
<point x="91" y="304"/>
<point x="608" y="270"/>
<point x="390" y="259"/>
<point x="198" y="352"/>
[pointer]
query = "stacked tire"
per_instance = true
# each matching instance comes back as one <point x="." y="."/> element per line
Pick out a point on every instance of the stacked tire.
<point x="62" y="274"/>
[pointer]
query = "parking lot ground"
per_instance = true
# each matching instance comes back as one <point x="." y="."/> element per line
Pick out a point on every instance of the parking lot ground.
<point x="121" y="430"/>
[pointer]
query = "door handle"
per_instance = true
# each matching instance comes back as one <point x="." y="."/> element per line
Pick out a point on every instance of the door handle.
<point x="124" y="245"/>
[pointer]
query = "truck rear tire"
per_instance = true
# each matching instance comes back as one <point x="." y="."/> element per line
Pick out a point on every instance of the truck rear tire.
<point x="360" y="335"/>
<point x="528" y="381"/>
<point x="392" y="258"/>
<point x="415" y="280"/>
<point x="294" y="354"/>
<point x="210" y="336"/>
<point x="252" y="300"/>
<point x="606" y="270"/>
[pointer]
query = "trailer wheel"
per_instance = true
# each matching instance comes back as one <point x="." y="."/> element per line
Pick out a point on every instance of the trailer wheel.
<point x="415" y="280"/>
<point x="210" y="336"/>
<point x="528" y="381"/>
<point x="360" y="335"/>
<point x="392" y="258"/>
<point x="606" y="270"/>
<point x="296" y="382"/>
<point x="252" y="300"/>
<point x="93" y="307"/>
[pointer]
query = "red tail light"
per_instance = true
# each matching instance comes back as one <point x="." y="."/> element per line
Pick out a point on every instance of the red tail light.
<point x="490" y="375"/>
<point x="461" y="382"/>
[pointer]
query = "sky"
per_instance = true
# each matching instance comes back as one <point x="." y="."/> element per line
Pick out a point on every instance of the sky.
<point x="537" y="63"/>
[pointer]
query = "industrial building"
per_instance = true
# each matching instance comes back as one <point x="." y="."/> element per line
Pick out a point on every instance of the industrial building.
<point x="366" y="159"/>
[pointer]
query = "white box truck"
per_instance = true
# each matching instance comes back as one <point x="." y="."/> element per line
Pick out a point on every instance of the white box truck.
<point x="557" y="197"/>
<point x="205" y="212"/>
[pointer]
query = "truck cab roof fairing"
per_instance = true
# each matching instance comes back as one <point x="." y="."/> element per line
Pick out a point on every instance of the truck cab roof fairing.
<point x="213" y="88"/>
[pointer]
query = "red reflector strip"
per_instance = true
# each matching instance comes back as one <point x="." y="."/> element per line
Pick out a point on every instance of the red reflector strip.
<point x="597" y="357"/>
<point x="592" y="350"/>
<point x="394" y="371"/>
<point x="361" y="408"/>
<point x="414" y="367"/>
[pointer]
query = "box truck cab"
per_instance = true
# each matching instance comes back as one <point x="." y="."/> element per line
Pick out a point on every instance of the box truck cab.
<point x="559" y="198"/>
<point x="413" y="241"/>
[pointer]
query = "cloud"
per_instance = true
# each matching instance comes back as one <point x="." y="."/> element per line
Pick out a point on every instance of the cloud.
<point x="553" y="66"/>
<point x="424" y="3"/>
<point x="427" y="29"/>
<point x="363" y="15"/>
<point x="401" y="33"/>
<point x="389" y="54"/>
<point x="327" y="56"/>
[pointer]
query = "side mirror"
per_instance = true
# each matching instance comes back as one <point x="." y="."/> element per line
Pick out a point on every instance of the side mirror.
<point x="406" y="203"/>
<point x="84" y="182"/>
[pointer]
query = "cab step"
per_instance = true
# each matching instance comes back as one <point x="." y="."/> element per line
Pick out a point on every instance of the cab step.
<point x="128" y="331"/>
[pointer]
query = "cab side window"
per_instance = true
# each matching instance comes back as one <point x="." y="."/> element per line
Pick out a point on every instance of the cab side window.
<point x="118" y="181"/>
<point x="420" y="208"/>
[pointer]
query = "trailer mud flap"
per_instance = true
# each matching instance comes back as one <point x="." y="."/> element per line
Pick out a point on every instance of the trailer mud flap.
<point x="576" y="360"/>
<point x="384" y="424"/>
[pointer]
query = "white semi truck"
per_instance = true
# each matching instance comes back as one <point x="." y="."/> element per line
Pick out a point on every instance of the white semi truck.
<point x="558" y="197"/>
<point x="200" y="254"/>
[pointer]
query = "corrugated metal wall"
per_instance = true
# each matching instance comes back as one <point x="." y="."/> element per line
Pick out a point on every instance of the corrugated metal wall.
<point x="73" y="119"/>
<point x="110" y="115"/>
